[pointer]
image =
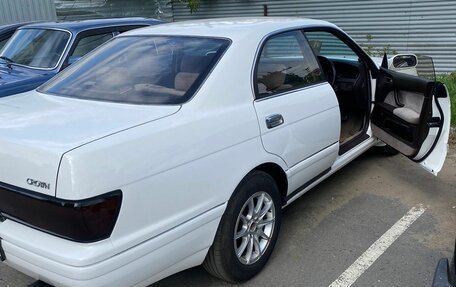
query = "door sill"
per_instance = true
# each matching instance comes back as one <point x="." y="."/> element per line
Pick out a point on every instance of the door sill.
<point x="353" y="143"/>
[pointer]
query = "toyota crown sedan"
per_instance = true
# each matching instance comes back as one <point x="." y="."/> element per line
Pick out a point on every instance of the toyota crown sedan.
<point x="180" y="144"/>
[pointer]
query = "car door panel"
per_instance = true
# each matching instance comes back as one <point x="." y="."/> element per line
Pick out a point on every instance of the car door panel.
<point x="411" y="114"/>
<point x="311" y="123"/>
<point x="434" y="149"/>
<point x="297" y="109"/>
<point x="400" y="122"/>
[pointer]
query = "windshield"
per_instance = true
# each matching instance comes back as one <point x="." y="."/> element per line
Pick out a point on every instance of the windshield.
<point x="141" y="70"/>
<point x="36" y="48"/>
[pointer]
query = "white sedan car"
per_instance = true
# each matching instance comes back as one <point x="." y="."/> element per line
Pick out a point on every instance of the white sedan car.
<point x="179" y="145"/>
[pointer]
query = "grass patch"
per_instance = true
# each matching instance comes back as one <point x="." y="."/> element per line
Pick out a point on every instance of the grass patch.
<point x="450" y="81"/>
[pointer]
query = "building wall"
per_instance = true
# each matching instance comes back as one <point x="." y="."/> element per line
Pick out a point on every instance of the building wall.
<point x="90" y="9"/>
<point x="426" y="27"/>
<point x="16" y="11"/>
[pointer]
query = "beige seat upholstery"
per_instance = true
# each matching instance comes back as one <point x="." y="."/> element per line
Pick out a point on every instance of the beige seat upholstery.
<point x="189" y="72"/>
<point x="407" y="115"/>
<point x="183" y="81"/>
<point x="412" y="105"/>
<point x="151" y="88"/>
<point x="190" y="68"/>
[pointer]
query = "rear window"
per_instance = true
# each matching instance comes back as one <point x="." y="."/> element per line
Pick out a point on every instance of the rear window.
<point x="141" y="70"/>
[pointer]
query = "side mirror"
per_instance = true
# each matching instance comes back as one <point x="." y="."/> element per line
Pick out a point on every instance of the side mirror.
<point x="404" y="61"/>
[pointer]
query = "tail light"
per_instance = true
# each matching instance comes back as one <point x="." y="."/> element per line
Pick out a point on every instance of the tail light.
<point x="87" y="220"/>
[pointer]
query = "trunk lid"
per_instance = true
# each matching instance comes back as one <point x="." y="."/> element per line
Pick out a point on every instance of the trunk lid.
<point x="37" y="129"/>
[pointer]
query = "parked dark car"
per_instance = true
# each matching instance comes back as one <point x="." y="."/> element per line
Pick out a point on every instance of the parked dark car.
<point x="37" y="52"/>
<point x="6" y="31"/>
<point x="445" y="273"/>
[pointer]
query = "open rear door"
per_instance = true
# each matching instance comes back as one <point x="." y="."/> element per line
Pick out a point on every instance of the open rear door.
<point x="412" y="115"/>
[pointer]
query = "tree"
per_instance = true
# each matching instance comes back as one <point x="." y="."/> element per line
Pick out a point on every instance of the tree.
<point x="193" y="5"/>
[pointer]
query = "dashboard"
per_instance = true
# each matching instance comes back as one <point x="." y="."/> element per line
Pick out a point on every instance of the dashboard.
<point x="347" y="72"/>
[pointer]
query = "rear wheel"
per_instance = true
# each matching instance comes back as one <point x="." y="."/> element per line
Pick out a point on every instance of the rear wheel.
<point x="248" y="230"/>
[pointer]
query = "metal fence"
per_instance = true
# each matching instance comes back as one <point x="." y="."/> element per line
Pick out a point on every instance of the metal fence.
<point x="90" y="9"/>
<point x="16" y="11"/>
<point x="424" y="27"/>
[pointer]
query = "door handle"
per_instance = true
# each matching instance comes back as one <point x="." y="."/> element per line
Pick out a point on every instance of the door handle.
<point x="387" y="82"/>
<point x="397" y="100"/>
<point x="273" y="121"/>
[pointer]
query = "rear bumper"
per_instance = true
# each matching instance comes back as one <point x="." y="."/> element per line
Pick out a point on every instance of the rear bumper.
<point x="61" y="262"/>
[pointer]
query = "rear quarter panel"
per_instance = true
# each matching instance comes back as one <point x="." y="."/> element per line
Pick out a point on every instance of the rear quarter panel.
<point x="176" y="168"/>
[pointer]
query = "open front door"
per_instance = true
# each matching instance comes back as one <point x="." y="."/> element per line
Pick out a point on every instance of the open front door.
<point x="412" y="115"/>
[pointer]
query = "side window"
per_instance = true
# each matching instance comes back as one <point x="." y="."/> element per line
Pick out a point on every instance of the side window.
<point x="327" y="45"/>
<point x="286" y="63"/>
<point x="124" y="29"/>
<point x="87" y="44"/>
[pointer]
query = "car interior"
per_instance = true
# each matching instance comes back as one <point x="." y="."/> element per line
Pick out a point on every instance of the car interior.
<point x="402" y="116"/>
<point x="348" y="75"/>
<point x="189" y="69"/>
<point x="403" y="104"/>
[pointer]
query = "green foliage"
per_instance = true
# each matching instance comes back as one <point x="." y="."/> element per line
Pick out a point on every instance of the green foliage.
<point x="368" y="48"/>
<point x="371" y="51"/>
<point x="450" y="81"/>
<point x="193" y="5"/>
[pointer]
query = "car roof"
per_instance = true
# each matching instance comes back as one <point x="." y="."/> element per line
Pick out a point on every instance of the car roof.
<point x="11" y="27"/>
<point x="233" y="28"/>
<point x="77" y="26"/>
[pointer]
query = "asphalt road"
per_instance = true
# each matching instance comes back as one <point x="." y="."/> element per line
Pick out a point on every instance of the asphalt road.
<point x="329" y="227"/>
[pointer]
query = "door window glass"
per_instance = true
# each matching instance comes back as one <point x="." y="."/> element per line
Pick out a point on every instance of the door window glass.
<point x="327" y="45"/>
<point x="286" y="63"/>
<point x="87" y="44"/>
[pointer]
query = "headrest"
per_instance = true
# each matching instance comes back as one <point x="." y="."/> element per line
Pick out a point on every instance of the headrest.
<point x="183" y="81"/>
<point x="194" y="64"/>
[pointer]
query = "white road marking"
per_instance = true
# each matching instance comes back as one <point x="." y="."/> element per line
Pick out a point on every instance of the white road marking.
<point x="366" y="259"/>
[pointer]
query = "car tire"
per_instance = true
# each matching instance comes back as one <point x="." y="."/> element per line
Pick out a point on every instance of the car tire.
<point x="255" y="202"/>
<point x="453" y="268"/>
<point x="387" y="150"/>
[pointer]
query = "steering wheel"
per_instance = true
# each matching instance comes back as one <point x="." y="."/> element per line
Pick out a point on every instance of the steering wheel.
<point x="328" y="69"/>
